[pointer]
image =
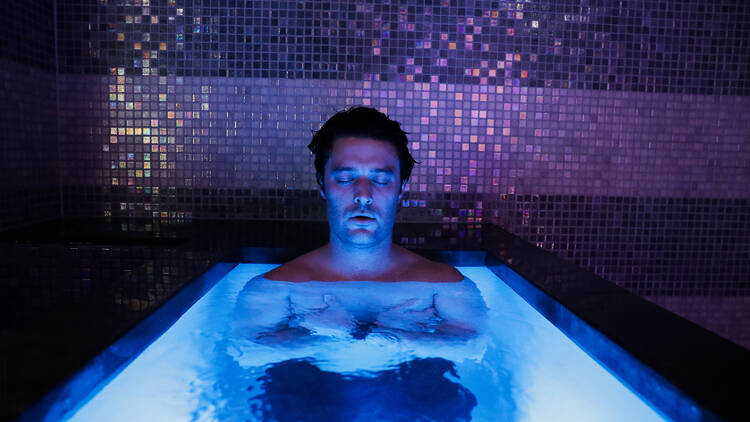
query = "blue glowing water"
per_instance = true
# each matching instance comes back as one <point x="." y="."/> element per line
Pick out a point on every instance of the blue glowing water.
<point x="362" y="351"/>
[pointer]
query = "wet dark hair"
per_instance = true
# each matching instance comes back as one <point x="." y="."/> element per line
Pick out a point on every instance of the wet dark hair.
<point x="361" y="122"/>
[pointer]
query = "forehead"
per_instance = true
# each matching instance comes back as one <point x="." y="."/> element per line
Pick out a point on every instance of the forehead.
<point x="354" y="151"/>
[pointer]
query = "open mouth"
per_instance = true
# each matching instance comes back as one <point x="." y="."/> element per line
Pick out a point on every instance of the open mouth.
<point x="362" y="219"/>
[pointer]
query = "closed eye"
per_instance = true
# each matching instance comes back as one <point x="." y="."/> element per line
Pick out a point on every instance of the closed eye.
<point x="346" y="176"/>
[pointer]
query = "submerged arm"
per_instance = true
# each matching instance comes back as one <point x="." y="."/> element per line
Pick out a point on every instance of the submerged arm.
<point x="462" y="310"/>
<point x="266" y="313"/>
<point x="454" y="312"/>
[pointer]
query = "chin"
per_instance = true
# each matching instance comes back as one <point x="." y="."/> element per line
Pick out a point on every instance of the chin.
<point x="363" y="239"/>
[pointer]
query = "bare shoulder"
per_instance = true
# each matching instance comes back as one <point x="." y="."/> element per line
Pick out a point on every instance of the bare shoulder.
<point x="419" y="268"/>
<point x="406" y="266"/>
<point x="297" y="270"/>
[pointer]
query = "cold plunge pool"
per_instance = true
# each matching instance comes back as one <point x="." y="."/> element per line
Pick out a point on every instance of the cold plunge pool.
<point x="362" y="351"/>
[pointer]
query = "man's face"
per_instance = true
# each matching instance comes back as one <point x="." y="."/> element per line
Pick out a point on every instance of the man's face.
<point x="362" y="190"/>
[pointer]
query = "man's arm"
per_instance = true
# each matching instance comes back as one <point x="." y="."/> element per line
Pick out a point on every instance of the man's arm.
<point x="264" y="314"/>
<point x="462" y="309"/>
<point x="454" y="311"/>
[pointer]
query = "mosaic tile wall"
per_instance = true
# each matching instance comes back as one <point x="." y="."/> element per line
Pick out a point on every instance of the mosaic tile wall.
<point x="652" y="246"/>
<point x="726" y="316"/>
<point x="613" y="134"/>
<point x="29" y="190"/>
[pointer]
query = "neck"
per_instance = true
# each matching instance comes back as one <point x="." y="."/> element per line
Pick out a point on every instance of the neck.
<point x="358" y="261"/>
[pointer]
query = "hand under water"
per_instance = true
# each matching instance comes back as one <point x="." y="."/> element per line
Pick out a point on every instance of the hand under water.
<point x="406" y="320"/>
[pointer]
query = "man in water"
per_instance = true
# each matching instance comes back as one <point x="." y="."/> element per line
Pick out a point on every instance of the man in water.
<point x="368" y="348"/>
<point x="362" y="164"/>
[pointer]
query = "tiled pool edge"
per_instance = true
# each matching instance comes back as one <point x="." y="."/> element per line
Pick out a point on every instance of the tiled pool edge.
<point x="653" y="388"/>
<point x="702" y="366"/>
<point x="66" y="398"/>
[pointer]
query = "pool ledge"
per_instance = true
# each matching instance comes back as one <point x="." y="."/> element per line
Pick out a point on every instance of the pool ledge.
<point x="69" y="396"/>
<point x="685" y="371"/>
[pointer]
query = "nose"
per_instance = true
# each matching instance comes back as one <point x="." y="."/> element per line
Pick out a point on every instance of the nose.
<point x="362" y="193"/>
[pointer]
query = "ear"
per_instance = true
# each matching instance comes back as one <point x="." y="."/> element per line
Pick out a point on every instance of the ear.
<point x="401" y="193"/>
<point x="321" y="191"/>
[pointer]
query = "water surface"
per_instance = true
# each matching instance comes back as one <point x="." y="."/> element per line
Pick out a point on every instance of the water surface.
<point x="255" y="349"/>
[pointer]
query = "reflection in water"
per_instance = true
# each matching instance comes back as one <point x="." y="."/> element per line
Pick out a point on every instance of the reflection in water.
<point x="417" y="390"/>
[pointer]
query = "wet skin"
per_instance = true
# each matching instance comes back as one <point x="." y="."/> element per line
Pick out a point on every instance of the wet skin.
<point x="362" y="191"/>
<point x="361" y="187"/>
